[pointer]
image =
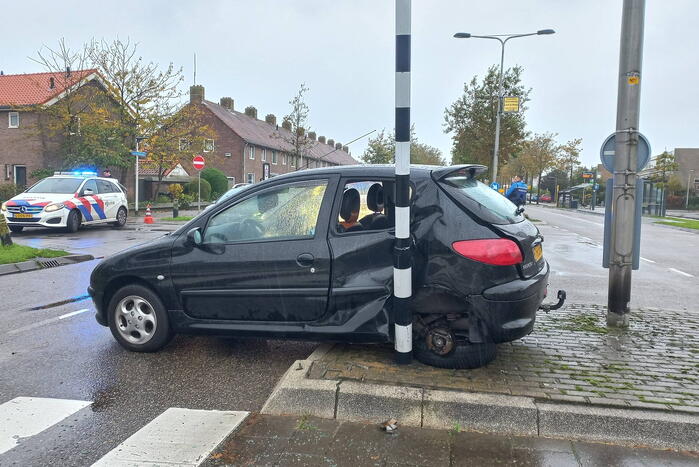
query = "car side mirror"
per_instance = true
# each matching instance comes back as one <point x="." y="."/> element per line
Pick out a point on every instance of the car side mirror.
<point x="88" y="192"/>
<point x="194" y="237"/>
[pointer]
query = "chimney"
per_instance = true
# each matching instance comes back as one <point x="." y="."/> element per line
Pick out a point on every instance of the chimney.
<point x="338" y="145"/>
<point x="196" y="94"/>
<point x="300" y="131"/>
<point x="251" y="111"/>
<point x="321" y="139"/>
<point x="271" y="119"/>
<point x="286" y="124"/>
<point x="226" y="103"/>
<point x="67" y="72"/>
<point x="312" y="135"/>
<point x="346" y="149"/>
<point x="52" y="83"/>
<point x="331" y="142"/>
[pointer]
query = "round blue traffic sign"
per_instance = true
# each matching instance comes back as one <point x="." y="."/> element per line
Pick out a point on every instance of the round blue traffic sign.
<point x="495" y="186"/>
<point x="609" y="150"/>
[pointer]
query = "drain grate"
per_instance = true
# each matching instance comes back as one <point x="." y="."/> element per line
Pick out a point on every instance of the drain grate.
<point x="49" y="263"/>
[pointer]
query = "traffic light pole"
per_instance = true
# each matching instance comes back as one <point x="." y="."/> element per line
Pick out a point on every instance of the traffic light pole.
<point x="625" y="164"/>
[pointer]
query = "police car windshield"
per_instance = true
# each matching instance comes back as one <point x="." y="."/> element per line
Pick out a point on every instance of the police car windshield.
<point x="483" y="201"/>
<point x="57" y="185"/>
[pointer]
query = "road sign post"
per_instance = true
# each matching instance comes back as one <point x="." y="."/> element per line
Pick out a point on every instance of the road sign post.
<point x="198" y="162"/>
<point x="137" y="155"/>
<point x="623" y="203"/>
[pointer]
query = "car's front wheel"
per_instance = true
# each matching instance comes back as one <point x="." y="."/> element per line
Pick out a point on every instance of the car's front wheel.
<point x="138" y="319"/>
<point x="120" y="218"/>
<point x="16" y="228"/>
<point x="73" y="221"/>
<point x="439" y="345"/>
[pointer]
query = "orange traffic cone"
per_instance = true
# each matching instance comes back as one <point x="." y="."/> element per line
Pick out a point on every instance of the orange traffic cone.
<point x="149" y="217"/>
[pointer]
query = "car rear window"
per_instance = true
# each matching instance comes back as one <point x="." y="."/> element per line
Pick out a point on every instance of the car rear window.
<point x="481" y="200"/>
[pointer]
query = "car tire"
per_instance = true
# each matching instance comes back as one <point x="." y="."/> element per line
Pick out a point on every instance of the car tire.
<point x="121" y="218"/>
<point x="73" y="221"/>
<point x="16" y="228"/>
<point x="462" y="357"/>
<point x="131" y="310"/>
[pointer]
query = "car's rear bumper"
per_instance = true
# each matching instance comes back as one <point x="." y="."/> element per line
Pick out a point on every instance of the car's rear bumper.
<point x="509" y="310"/>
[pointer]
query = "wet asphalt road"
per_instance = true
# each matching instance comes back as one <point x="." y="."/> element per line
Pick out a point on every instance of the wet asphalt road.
<point x="44" y="355"/>
<point x="669" y="271"/>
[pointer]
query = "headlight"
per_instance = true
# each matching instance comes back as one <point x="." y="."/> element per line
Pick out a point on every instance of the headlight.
<point x="54" y="207"/>
<point x="4" y="206"/>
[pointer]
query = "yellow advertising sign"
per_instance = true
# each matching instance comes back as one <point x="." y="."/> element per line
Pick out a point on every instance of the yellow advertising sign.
<point x="510" y="104"/>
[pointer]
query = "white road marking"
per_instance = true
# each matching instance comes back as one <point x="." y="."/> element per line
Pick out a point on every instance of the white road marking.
<point x="686" y="274"/>
<point x="28" y="416"/>
<point x="175" y="437"/>
<point x="575" y="218"/>
<point x="586" y="238"/>
<point x="647" y="260"/>
<point x="44" y="322"/>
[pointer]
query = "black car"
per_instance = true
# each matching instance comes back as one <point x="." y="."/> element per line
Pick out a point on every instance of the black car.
<point x="309" y="255"/>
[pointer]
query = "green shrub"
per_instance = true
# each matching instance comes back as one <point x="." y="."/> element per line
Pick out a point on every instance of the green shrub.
<point x="216" y="178"/>
<point x="163" y="199"/>
<point x="40" y="174"/>
<point x="8" y="190"/>
<point x="186" y="201"/>
<point x="192" y="187"/>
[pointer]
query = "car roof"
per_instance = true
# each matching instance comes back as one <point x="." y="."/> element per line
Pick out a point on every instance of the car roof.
<point x="374" y="170"/>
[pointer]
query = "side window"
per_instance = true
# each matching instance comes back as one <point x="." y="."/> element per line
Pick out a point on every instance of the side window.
<point x="105" y="187"/>
<point x="90" y="185"/>
<point x="365" y="207"/>
<point x="283" y="213"/>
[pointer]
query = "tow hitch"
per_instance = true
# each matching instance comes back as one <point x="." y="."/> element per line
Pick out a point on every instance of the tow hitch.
<point x="561" y="299"/>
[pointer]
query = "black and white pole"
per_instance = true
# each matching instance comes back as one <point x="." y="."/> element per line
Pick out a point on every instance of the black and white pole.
<point x="402" y="257"/>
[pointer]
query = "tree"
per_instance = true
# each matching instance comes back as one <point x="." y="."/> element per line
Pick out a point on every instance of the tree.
<point x="297" y="120"/>
<point x="539" y="155"/>
<point x="569" y="156"/>
<point x="471" y="119"/>
<point x="382" y="148"/>
<point x="665" y="163"/>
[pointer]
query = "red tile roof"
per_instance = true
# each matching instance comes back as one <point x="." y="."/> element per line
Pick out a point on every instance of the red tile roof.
<point x="35" y="88"/>
<point x="261" y="133"/>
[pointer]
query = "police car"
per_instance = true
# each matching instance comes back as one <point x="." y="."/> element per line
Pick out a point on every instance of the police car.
<point x="68" y="200"/>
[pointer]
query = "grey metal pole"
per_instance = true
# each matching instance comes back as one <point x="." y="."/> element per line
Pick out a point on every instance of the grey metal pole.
<point x="689" y="177"/>
<point x="402" y="254"/>
<point x="625" y="166"/>
<point x="199" y="193"/>
<point x="496" y="148"/>
<point x="136" y="186"/>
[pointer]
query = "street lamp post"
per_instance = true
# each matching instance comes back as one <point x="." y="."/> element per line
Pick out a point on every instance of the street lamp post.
<point x="499" y="38"/>
<point x="689" y="177"/>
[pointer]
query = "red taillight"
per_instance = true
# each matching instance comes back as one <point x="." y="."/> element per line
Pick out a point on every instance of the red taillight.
<point x="499" y="251"/>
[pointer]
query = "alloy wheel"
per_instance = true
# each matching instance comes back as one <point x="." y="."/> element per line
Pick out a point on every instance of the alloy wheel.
<point x="135" y="319"/>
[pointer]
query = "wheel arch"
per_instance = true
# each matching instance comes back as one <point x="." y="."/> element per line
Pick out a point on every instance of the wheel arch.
<point x="117" y="283"/>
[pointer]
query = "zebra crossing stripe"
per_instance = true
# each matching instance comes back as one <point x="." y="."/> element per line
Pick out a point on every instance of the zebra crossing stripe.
<point x="28" y="416"/>
<point x="175" y="437"/>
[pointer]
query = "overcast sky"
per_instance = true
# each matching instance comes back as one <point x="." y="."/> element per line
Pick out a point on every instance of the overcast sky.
<point x="258" y="52"/>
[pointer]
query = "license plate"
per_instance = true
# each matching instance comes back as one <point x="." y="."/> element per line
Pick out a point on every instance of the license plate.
<point x="538" y="252"/>
<point x="22" y="216"/>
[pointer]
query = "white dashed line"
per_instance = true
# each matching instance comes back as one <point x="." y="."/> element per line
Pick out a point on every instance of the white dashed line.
<point x="647" y="260"/>
<point x="686" y="274"/>
<point x="47" y="321"/>
<point x="73" y="313"/>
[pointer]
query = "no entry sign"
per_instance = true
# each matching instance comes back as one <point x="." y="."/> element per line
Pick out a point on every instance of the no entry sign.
<point x="198" y="162"/>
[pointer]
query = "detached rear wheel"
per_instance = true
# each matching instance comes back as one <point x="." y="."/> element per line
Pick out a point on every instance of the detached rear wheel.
<point x="138" y="319"/>
<point x="439" y="346"/>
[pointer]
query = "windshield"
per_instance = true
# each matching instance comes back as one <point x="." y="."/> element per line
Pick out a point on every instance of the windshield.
<point x="483" y="201"/>
<point x="230" y="193"/>
<point x="56" y="185"/>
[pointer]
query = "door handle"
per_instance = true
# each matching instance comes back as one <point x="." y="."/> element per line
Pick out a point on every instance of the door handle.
<point x="305" y="259"/>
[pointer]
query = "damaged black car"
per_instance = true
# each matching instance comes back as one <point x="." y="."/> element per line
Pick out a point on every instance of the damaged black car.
<point x="309" y="255"/>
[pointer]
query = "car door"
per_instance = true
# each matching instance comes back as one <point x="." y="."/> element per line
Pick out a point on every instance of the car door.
<point x="108" y="197"/>
<point x="264" y="256"/>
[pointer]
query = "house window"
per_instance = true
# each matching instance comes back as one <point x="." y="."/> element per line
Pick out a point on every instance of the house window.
<point x="208" y="145"/>
<point x="228" y="154"/>
<point x="300" y="162"/>
<point x="252" y="153"/>
<point x="13" y="120"/>
<point x="264" y="155"/>
<point x="292" y="161"/>
<point x="231" y="181"/>
<point x="251" y="178"/>
<point x="74" y="125"/>
<point x="274" y="157"/>
<point x="283" y="158"/>
<point x="184" y="144"/>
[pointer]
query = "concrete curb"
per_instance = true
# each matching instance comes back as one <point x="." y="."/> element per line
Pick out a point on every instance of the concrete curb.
<point x="295" y="394"/>
<point x="42" y="263"/>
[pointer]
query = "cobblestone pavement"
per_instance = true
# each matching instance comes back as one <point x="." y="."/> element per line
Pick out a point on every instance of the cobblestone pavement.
<point x="289" y="441"/>
<point x="571" y="356"/>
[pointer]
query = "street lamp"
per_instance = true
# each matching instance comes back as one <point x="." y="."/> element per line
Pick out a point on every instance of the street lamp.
<point x="689" y="177"/>
<point x="499" y="38"/>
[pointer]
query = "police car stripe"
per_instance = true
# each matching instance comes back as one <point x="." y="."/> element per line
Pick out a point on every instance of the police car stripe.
<point x="402" y="274"/>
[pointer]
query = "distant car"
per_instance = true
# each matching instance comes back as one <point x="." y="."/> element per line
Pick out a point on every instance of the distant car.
<point x="68" y="200"/>
<point x="309" y="255"/>
<point x="546" y="198"/>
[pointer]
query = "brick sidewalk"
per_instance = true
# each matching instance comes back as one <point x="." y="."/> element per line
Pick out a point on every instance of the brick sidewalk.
<point x="571" y="356"/>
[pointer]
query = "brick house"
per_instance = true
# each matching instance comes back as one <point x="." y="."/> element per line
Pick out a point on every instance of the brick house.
<point x="243" y="144"/>
<point x="25" y="144"/>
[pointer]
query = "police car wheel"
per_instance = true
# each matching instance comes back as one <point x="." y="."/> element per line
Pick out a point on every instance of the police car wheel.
<point x="16" y="228"/>
<point x="138" y="319"/>
<point x="73" y="222"/>
<point x="120" y="218"/>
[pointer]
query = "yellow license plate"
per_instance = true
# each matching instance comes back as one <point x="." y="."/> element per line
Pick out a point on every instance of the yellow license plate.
<point x="538" y="253"/>
<point x="22" y="216"/>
